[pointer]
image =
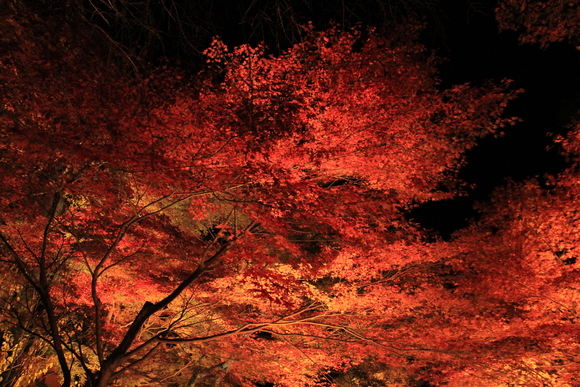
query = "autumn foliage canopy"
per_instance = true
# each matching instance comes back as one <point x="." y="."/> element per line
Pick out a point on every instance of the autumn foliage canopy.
<point x="248" y="224"/>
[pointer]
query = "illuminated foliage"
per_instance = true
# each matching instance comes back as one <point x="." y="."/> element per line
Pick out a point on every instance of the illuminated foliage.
<point x="519" y="266"/>
<point x="244" y="225"/>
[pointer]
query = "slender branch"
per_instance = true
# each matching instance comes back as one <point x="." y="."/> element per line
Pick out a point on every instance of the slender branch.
<point x="274" y="333"/>
<point x="281" y="322"/>
<point x="23" y="326"/>
<point x="139" y="360"/>
<point x="20" y="263"/>
<point x="121" y="260"/>
<point x="55" y="201"/>
<point x="42" y="288"/>
<point x="27" y="247"/>
<point x="46" y="299"/>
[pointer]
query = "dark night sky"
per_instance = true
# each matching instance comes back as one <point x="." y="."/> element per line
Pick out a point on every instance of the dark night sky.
<point x="476" y="52"/>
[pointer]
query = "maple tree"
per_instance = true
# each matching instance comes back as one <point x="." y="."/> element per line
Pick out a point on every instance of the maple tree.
<point x="246" y="224"/>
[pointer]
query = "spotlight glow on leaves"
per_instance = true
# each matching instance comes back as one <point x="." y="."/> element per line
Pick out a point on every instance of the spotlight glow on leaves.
<point x="249" y="225"/>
